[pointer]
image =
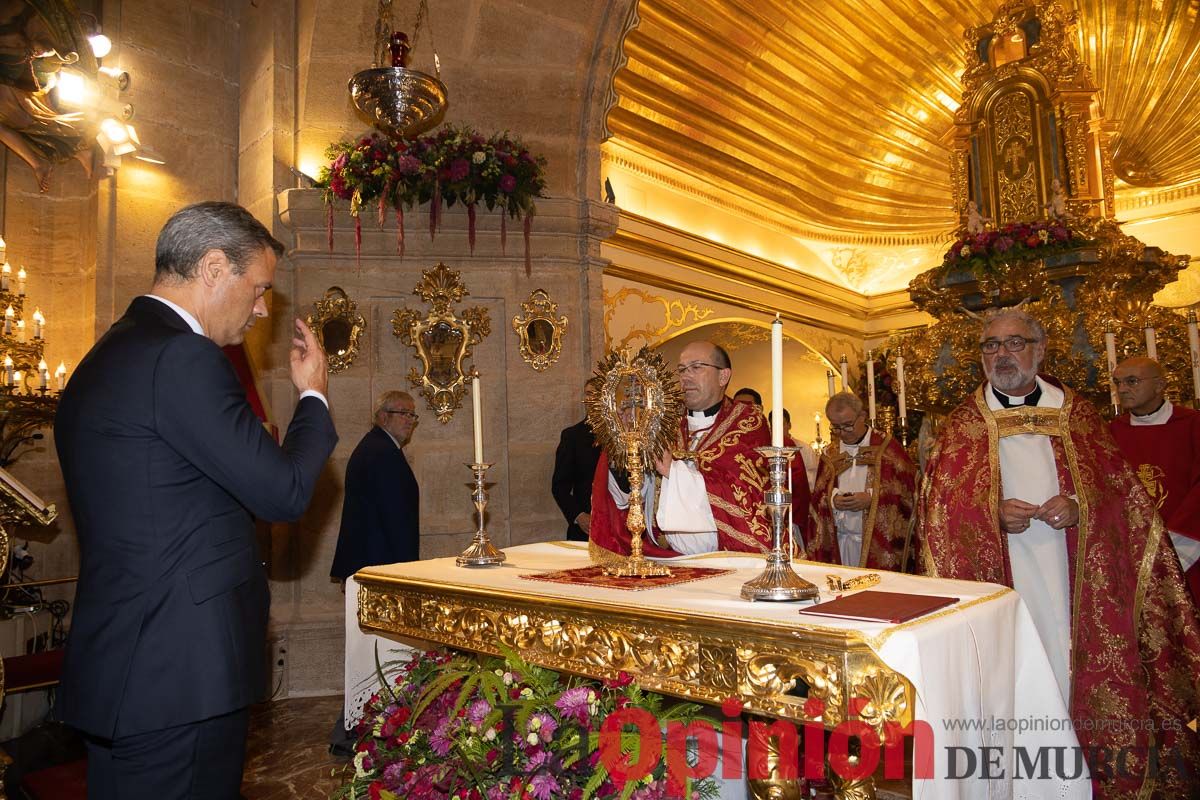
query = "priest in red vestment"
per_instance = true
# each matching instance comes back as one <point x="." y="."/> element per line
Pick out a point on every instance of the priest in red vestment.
<point x="1026" y="487"/>
<point x="708" y="494"/>
<point x="1161" y="441"/>
<point x="863" y="497"/>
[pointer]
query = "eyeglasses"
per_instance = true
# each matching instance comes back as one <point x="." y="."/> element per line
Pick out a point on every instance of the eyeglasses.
<point x="1131" y="382"/>
<point x="404" y="412"/>
<point x="694" y="367"/>
<point x="845" y="427"/>
<point x="1013" y="344"/>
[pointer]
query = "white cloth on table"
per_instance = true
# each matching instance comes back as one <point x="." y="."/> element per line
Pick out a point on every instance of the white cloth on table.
<point x="965" y="664"/>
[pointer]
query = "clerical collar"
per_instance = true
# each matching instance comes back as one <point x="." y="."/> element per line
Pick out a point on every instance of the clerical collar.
<point x="711" y="411"/>
<point x="1008" y="401"/>
<point x="1159" y="416"/>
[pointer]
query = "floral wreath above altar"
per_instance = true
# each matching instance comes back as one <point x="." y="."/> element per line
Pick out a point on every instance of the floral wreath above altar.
<point x="453" y="165"/>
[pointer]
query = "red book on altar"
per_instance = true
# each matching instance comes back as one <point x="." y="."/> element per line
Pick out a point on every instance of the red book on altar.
<point x="874" y="606"/>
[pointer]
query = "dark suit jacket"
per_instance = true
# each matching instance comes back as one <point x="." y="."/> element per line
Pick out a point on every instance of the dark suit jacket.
<point x="574" y="466"/>
<point x="381" y="519"/>
<point x="166" y="466"/>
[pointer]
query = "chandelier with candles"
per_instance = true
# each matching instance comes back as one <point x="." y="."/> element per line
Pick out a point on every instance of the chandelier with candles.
<point x="28" y="392"/>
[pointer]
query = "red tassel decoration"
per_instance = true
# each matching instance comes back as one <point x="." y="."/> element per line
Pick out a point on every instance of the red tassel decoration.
<point x="400" y="231"/>
<point x="528" y="222"/>
<point x="434" y="206"/>
<point x="471" y="227"/>
<point x="329" y="224"/>
<point x="503" y="231"/>
<point x="358" y="243"/>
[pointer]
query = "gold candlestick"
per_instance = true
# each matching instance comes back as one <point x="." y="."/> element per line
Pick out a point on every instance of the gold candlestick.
<point x="778" y="581"/>
<point x="481" y="553"/>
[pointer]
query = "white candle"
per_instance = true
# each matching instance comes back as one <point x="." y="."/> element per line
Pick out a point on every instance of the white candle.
<point x="1194" y="346"/>
<point x="61" y="375"/>
<point x="43" y="375"/>
<point x="1110" y="352"/>
<point x="21" y="330"/>
<point x="21" y="282"/>
<point x="1151" y="343"/>
<point x="8" y="321"/>
<point x="777" y="382"/>
<point x="5" y="273"/>
<point x="900" y="380"/>
<point x="8" y="371"/>
<point x="845" y="373"/>
<point x="3" y="248"/>
<point x="38" y="323"/>
<point x="871" y="387"/>
<point x="829" y="380"/>
<point x="817" y="419"/>
<point x="476" y="407"/>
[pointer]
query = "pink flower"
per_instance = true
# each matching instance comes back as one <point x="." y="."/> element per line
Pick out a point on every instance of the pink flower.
<point x="408" y="165"/>
<point x="574" y="703"/>
<point x="543" y="786"/>
<point x="507" y="183"/>
<point x="459" y="169"/>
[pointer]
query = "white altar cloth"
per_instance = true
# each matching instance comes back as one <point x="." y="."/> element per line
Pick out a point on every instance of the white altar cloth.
<point x="981" y="675"/>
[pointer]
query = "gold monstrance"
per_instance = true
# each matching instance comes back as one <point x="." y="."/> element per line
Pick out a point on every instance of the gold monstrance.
<point x="634" y="406"/>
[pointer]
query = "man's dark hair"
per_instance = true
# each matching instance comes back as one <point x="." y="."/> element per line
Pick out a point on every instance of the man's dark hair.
<point x="721" y="357"/>
<point x="193" y="231"/>
<point x="747" y="390"/>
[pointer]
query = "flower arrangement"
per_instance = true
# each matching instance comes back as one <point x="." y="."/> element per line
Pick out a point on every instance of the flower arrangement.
<point x="466" y="728"/>
<point x="454" y="165"/>
<point x="985" y="253"/>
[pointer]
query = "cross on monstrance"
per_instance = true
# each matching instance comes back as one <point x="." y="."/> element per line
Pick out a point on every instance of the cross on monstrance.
<point x="1015" y="158"/>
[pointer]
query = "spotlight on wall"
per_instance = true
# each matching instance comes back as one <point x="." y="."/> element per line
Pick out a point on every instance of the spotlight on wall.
<point x="117" y="74"/>
<point x="72" y="88"/>
<point x="101" y="45"/>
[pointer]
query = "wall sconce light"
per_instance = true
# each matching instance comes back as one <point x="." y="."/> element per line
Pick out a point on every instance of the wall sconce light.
<point x="101" y="45"/>
<point x="117" y="74"/>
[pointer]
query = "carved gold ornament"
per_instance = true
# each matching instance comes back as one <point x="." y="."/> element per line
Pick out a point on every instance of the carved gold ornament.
<point x="442" y="340"/>
<point x="539" y="331"/>
<point x="338" y="327"/>
<point x="634" y="406"/>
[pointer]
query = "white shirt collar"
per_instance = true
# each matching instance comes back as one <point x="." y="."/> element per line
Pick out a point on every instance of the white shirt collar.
<point x="395" y="441"/>
<point x="1159" y="417"/>
<point x="1052" y="396"/>
<point x="192" y="322"/>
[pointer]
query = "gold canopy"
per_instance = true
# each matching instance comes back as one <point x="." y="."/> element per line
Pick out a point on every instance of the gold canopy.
<point x="835" y="119"/>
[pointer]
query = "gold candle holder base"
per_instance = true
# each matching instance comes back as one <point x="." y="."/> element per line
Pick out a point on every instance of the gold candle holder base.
<point x="779" y="581"/>
<point x="481" y="552"/>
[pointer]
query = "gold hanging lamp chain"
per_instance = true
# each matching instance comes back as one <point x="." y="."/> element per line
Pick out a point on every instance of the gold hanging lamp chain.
<point x="423" y="19"/>
<point x="383" y="35"/>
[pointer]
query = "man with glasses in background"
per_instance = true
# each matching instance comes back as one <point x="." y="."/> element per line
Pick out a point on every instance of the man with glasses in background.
<point x="863" y="495"/>
<point x="1161" y="441"/>
<point x="707" y="492"/>
<point x="1025" y="487"/>
<point x="381" y="510"/>
<point x="381" y="521"/>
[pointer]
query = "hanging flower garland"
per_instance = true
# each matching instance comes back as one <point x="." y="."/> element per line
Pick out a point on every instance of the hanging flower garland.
<point x="454" y="165"/>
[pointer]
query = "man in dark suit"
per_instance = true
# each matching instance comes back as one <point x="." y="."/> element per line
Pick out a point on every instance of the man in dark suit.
<point x="574" y="466"/>
<point x="166" y="467"/>
<point x="381" y="513"/>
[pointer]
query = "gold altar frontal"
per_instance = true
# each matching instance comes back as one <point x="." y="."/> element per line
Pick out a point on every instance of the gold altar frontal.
<point x="706" y="654"/>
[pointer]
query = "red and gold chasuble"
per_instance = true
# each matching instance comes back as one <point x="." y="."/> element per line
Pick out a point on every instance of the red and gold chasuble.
<point x="1166" y="458"/>
<point x="1135" y="640"/>
<point x="735" y="478"/>
<point x="886" y="531"/>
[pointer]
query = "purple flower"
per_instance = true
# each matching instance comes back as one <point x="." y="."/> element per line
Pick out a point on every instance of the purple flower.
<point x="545" y="726"/>
<point x="497" y="792"/>
<point x="439" y="740"/>
<point x="407" y="165"/>
<point x="543" y="786"/>
<point x="459" y="169"/>
<point x="507" y="183"/>
<point x="574" y="703"/>
<point x="478" y="710"/>
<point x="1004" y="244"/>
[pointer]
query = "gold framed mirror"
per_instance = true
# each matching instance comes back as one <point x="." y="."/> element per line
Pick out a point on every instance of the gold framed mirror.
<point x="539" y="330"/>
<point x="443" y="341"/>
<point x="338" y="327"/>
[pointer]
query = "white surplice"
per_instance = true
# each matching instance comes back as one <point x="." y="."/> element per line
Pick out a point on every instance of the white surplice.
<point x="684" y="514"/>
<point x="850" y="523"/>
<point x="1038" y="555"/>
